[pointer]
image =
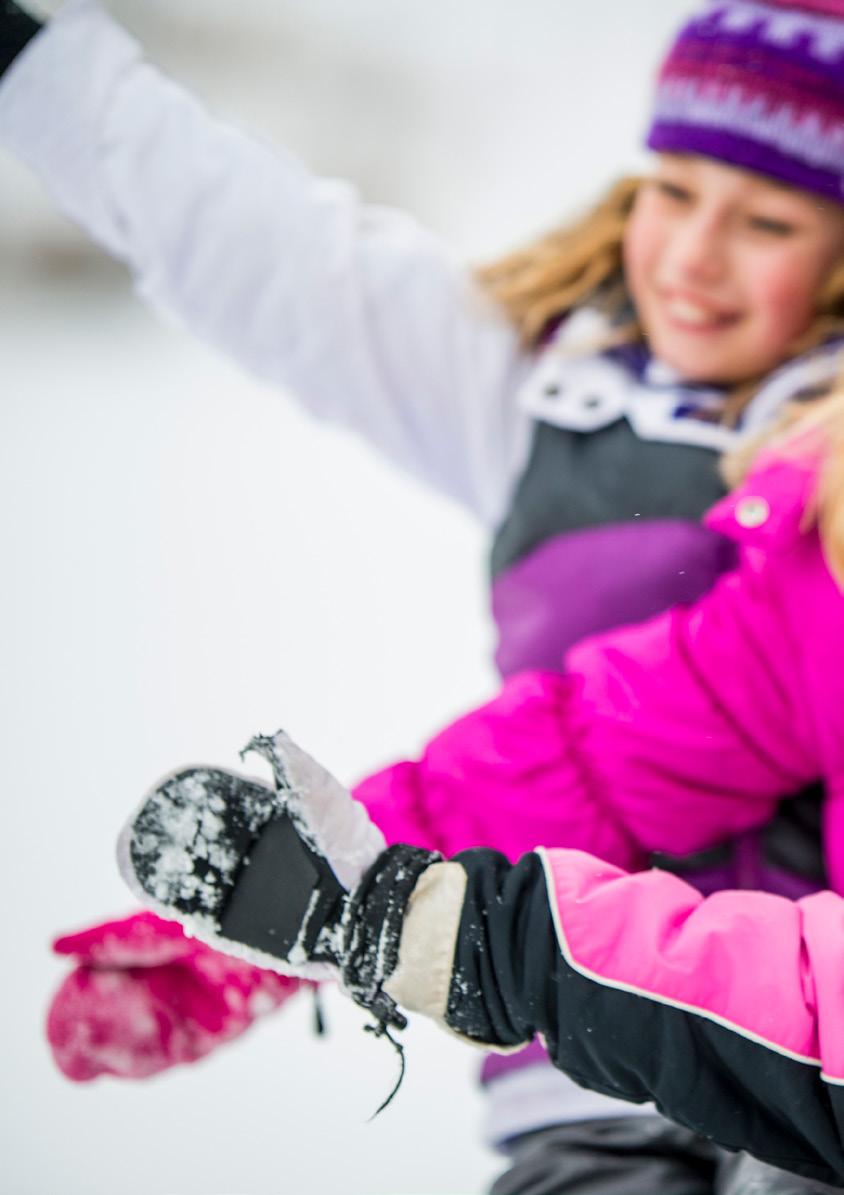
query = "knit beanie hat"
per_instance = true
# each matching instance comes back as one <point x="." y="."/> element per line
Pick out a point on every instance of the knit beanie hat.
<point x="759" y="84"/>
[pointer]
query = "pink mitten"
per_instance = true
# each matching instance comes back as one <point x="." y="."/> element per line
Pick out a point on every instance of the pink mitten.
<point x="145" y="997"/>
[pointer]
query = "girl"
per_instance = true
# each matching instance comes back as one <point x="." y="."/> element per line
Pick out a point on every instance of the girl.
<point x="583" y="426"/>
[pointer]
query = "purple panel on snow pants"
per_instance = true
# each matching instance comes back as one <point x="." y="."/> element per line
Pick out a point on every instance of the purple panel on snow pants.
<point x="584" y="582"/>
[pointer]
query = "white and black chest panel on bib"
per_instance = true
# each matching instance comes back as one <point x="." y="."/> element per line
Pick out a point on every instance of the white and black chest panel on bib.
<point x="616" y="441"/>
<point x="584" y="392"/>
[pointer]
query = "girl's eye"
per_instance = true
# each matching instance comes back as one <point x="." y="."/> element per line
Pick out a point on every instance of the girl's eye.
<point x="777" y="228"/>
<point x="673" y="191"/>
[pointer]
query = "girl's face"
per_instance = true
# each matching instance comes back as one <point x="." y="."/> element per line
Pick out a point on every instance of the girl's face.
<point x="725" y="266"/>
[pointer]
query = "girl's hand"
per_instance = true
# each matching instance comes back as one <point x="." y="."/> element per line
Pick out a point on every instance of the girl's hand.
<point x="293" y="876"/>
<point x="17" y="27"/>
<point x="144" y="997"/>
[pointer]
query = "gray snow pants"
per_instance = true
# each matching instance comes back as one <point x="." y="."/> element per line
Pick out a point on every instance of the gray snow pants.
<point x="642" y="1155"/>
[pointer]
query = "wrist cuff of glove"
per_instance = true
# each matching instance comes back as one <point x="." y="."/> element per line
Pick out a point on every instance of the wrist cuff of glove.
<point x="373" y="926"/>
<point x="17" y="28"/>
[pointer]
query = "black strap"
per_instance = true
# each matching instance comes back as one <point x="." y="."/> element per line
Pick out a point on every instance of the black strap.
<point x="373" y="924"/>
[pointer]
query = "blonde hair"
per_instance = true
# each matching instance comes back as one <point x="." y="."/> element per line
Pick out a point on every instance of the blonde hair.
<point x="566" y="268"/>
<point x="829" y="500"/>
<point x="582" y="263"/>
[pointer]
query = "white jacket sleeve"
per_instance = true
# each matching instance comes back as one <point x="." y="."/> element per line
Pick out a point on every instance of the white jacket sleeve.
<point x="357" y="310"/>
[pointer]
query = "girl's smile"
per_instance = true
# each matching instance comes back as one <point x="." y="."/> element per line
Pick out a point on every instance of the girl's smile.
<point x="689" y="312"/>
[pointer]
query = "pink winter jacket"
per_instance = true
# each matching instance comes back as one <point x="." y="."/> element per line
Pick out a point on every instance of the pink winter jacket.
<point x="671" y="735"/>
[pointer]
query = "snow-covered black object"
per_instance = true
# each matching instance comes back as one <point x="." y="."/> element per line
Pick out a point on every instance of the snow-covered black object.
<point x="292" y="876"/>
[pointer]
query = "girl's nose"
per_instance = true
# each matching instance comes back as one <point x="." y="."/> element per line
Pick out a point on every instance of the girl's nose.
<point x="698" y="249"/>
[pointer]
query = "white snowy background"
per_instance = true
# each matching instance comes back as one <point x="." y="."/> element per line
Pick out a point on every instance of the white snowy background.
<point x="186" y="560"/>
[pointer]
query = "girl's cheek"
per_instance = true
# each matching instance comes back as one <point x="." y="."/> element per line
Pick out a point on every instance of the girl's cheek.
<point x="783" y="293"/>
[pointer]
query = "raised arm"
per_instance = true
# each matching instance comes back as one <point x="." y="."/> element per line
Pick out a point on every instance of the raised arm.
<point x="356" y="309"/>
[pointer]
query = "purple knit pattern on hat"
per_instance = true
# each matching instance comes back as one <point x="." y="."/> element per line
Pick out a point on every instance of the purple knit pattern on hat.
<point x="759" y="86"/>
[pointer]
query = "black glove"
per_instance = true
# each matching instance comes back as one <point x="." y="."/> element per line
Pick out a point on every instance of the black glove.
<point x="17" y="28"/>
<point x="295" y="878"/>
